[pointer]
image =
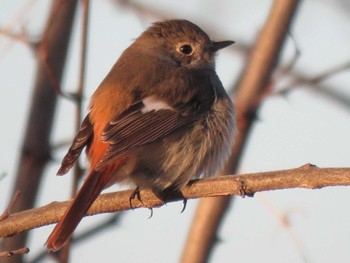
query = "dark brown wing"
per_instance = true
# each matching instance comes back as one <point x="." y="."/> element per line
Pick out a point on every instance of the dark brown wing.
<point x="80" y="141"/>
<point x="134" y="128"/>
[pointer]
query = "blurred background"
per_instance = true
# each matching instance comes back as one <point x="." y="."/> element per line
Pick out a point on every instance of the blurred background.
<point x="305" y="118"/>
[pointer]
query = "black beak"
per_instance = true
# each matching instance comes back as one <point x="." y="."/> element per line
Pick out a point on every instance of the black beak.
<point x="220" y="45"/>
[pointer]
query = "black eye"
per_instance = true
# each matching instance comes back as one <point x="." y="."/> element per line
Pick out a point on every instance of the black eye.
<point x="186" y="49"/>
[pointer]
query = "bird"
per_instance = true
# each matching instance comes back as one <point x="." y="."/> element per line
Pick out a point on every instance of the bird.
<point x="160" y="118"/>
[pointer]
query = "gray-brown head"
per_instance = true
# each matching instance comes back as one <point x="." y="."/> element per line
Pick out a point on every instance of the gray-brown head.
<point x="183" y="42"/>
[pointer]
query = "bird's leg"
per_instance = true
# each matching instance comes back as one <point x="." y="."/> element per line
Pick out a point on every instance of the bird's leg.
<point x="171" y="194"/>
<point x="135" y="194"/>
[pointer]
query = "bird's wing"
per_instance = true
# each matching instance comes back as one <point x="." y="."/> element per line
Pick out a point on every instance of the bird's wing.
<point x="80" y="141"/>
<point x="139" y="125"/>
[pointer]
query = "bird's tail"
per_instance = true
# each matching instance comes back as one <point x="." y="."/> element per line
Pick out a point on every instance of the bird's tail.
<point x="91" y="188"/>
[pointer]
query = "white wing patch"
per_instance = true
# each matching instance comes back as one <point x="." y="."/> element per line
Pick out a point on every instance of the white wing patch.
<point x="153" y="104"/>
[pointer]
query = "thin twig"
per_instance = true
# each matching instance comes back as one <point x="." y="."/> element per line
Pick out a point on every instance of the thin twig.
<point x="42" y="56"/>
<point x="307" y="176"/>
<point x="7" y="211"/>
<point x="63" y="254"/>
<point x="284" y="222"/>
<point x="300" y="80"/>
<point x="35" y="151"/>
<point x="11" y="253"/>
<point x="287" y="69"/>
<point x="18" y="37"/>
<point x="20" y="14"/>
<point x="96" y="230"/>
<point x="80" y="91"/>
<point x="143" y="10"/>
<point x="7" y="29"/>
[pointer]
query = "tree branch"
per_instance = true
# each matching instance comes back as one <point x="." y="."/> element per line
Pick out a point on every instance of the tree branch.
<point x="20" y="251"/>
<point x="307" y="176"/>
<point x="35" y="150"/>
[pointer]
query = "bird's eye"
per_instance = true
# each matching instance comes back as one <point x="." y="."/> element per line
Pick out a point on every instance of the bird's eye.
<point x="186" y="49"/>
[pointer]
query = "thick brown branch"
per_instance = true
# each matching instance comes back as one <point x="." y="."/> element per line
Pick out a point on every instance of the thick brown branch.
<point x="307" y="176"/>
<point x="35" y="151"/>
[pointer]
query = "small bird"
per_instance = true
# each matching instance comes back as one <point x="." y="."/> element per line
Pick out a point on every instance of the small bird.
<point x="160" y="118"/>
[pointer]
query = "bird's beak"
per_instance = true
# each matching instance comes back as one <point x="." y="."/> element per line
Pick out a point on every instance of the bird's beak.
<point x="220" y="45"/>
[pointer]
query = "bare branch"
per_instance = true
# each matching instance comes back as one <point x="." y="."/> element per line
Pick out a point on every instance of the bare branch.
<point x="300" y="80"/>
<point x="35" y="150"/>
<point x="287" y="69"/>
<point x="11" y="253"/>
<point x="19" y="37"/>
<point x="307" y="176"/>
<point x="92" y="232"/>
<point x="7" y="212"/>
<point x="63" y="254"/>
<point x="8" y="28"/>
<point x="283" y="219"/>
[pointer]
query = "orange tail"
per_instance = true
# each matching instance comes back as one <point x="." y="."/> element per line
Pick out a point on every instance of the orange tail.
<point x="92" y="187"/>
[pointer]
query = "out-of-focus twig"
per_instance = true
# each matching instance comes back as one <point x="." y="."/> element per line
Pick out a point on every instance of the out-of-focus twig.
<point x="63" y="254"/>
<point x="284" y="222"/>
<point x="287" y="69"/>
<point x="97" y="229"/>
<point x="36" y="149"/>
<point x="317" y="85"/>
<point x="17" y="19"/>
<point x="19" y="37"/>
<point x="300" y="80"/>
<point x="11" y="253"/>
<point x="144" y="10"/>
<point x="7" y="212"/>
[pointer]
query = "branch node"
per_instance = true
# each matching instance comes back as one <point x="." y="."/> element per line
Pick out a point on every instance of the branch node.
<point x="308" y="166"/>
<point x="244" y="189"/>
